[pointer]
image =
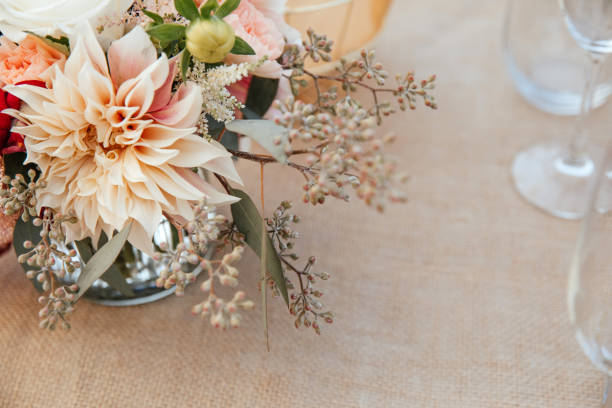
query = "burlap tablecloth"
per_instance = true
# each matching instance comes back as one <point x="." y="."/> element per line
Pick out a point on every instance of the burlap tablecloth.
<point x="456" y="299"/>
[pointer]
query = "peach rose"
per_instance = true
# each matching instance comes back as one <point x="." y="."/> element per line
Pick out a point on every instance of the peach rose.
<point x="28" y="61"/>
<point x="263" y="36"/>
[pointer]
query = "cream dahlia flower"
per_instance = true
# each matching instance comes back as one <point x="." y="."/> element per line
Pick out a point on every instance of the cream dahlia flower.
<point x="114" y="144"/>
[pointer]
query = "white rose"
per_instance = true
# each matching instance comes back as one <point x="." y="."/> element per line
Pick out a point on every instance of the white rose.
<point x="54" y="17"/>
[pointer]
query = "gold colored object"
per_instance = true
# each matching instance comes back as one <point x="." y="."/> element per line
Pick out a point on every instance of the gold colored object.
<point x="352" y="24"/>
<point x="210" y="40"/>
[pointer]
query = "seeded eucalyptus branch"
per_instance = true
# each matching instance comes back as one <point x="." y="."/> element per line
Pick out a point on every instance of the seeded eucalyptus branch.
<point x="305" y="303"/>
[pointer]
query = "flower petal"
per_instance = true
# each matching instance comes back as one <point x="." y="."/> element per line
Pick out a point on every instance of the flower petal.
<point x="130" y="55"/>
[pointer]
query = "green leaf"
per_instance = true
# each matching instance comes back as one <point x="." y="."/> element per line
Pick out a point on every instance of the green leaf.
<point x="167" y="32"/>
<point x="26" y="231"/>
<point x="187" y="9"/>
<point x="157" y="19"/>
<point x="112" y="276"/>
<point x="208" y="7"/>
<point x="102" y="260"/>
<point x="249" y="222"/>
<point x="264" y="132"/>
<point x="185" y="61"/>
<point x="262" y="93"/>
<point x="242" y="47"/>
<point x="227" y="7"/>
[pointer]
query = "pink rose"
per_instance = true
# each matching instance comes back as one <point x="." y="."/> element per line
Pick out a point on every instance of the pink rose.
<point x="263" y="36"/>
<point x="28" y="61"/>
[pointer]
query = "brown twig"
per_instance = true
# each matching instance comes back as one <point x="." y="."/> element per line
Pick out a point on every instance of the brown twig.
<point x="263" y="159"/>
<point x="221" y="134"/>
<point x="224" y="183"/>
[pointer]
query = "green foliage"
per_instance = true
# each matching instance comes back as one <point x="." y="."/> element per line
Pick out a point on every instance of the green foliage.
<point x="249" y="222"/>
<point x="262" y="93"/>
<point x="185" y="62"/>
<point x="13" y="164"/>
<point x="62" y="42"/>
<point x="157" y="19"/>
<point x="187" y="9"/>
<point x="241" y="47"/>
<point x="167" y="33"/>
<point x="229" y="140"/>
<point x="102" y="260"/>
<point x="208" y="7"/>
<point x="226" y="8"/>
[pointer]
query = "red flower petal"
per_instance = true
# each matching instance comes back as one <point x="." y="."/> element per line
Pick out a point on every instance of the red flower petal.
<point x="5" y="121"/>
<point x="12" y="101"/>
<point x="3" y="104"/>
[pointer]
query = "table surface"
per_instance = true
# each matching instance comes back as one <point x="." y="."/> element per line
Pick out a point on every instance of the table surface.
<point x="456" y="299"/>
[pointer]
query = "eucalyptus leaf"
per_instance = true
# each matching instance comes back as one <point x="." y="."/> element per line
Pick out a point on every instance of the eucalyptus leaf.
<point x="102" y="260"/>
<point x="157" y="19"/>
<point x="112" y="276"/>
<point x="167" y="32"/>
<point x="226" y="8"/>
<point x="264" y="132"/>
<point x="242" y="47"/>
<point x="249" y="222"/>
<point x="26" y="231"/>
<point x="208" y="7"/>
<point x="187" y="9"/>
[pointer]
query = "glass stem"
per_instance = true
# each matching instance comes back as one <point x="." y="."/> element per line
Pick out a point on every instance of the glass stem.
<point x="577" y="145"/>
<point x="607" y="399"/>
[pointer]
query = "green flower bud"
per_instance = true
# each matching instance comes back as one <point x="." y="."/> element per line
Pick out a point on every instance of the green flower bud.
<point x="210" y="40"/>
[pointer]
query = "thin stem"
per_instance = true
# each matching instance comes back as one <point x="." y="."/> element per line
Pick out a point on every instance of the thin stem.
<point x="224" y="183"/>
<point x="576" y="155"/>
<point x="297" y="272"/>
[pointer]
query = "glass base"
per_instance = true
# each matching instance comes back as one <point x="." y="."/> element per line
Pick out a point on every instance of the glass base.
<point x="547" y="180"/>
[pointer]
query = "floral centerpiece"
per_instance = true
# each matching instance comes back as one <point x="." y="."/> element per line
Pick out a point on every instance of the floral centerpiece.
<point x="120" y="115"/>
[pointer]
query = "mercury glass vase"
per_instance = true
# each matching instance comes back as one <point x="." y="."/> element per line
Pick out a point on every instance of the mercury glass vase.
<point x="138" y="274"/>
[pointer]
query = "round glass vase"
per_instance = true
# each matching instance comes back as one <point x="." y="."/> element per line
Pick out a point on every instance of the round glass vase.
<point x="131" y="280"/>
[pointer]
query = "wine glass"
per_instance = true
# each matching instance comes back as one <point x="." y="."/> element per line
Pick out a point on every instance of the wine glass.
<point x="590" y="277"/>
<point x="544" y="61"/>
<point x="552" y="175"/>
